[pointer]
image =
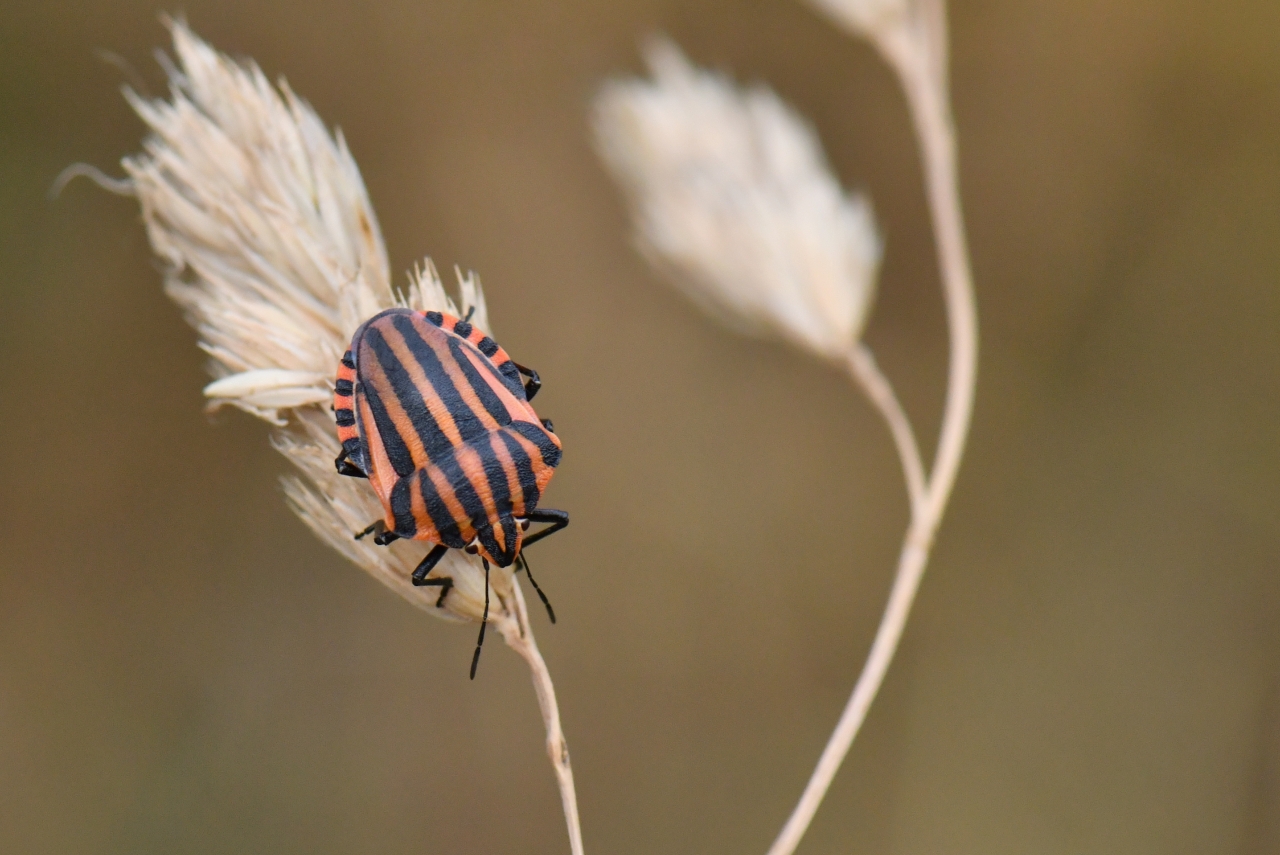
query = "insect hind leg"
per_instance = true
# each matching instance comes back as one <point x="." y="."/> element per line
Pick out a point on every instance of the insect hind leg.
<point x="420" y="580"/>
<point x="381" y="534"/>
<point x="345" y="467"/>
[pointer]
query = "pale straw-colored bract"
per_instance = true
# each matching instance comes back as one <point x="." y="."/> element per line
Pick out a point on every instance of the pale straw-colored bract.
<point x="732" y="196"/>
<point x="273" y="251"/>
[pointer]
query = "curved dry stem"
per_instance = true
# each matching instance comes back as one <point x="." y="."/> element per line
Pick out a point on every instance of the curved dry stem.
<point x="911" y="564"/>
<point x="926" y="88"/>
<point x="863" y="368"/>
<point x="922" y="72"/>
<point x="518" y="634"/>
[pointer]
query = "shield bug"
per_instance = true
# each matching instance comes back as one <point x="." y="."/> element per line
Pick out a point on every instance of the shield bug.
<point x="437" y="416"/>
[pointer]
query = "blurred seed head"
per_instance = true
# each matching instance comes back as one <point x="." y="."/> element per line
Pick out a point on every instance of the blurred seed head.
<point x="732" y="197"/>
<point x="274" y="253"/>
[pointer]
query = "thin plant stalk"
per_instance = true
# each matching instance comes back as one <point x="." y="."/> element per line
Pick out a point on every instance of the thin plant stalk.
<point x="923" y="77"/>
<point x="518" y="634"/>
<point x="867" y="374"/>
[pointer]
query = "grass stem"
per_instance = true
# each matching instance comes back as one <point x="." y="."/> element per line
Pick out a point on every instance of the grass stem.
<point x="921" y="66"/>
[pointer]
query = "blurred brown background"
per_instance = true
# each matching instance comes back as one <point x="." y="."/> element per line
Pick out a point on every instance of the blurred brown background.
<point x="1093" y="663"/>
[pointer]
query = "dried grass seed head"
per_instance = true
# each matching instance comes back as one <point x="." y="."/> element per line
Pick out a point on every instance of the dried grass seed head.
<point x="732" y="197"/>
<point x="275" y="255"/>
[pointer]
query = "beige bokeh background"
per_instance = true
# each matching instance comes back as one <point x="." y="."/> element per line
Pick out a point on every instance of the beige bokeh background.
<point x="1093" y="664"/>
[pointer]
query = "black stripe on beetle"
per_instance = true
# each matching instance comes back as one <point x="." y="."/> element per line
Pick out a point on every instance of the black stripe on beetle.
<point x="524" y="470"/>
<point x="535" y="434"/>
<point x="397" y="451"/>
<point x="439" y="512"/>
<point x="463" y="489"/>
<point x="402" y="508"/>
<point x="495" y="474"/>
<point x="469" y="424"/>
<point x="412" y="399"/>
<point x="488" y="399"/>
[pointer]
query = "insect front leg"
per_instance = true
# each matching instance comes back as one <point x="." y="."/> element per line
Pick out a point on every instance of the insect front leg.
<point x="558" y="520"/>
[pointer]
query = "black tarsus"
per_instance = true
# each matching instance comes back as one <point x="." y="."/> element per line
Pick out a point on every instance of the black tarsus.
<point x="558" y="520"/>
<point x="535" y="382"/>
<point x="381" y="534"/>
<point x="346" y="467"/>
<point x="467" y="318"/>
<point x="475" y="659"/>
<point x="522" y="563"/>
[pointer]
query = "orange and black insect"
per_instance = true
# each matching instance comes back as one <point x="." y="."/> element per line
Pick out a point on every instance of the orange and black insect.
<point x="437" y="417"/>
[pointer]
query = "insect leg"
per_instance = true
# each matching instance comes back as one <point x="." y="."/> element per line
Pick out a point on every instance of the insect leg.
<point x="429" y="563"/>
<point x="475" y="660"/>
<point x="378" y="529"/>
<point x="558" y="520"/>
<point x="346" y="467"/>
<point x="445" y="584"/>
<point x="522" y="563"/>
<point x="535" y="382"/>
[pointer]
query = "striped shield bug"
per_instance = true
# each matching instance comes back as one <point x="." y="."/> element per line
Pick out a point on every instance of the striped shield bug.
<point x="437" y="416"/>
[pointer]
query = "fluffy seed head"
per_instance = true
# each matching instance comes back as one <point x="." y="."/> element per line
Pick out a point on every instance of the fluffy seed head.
<point x="274" y="253"/>
<point x="732" y="197"/>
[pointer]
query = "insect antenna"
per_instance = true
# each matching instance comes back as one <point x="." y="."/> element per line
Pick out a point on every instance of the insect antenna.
<point x="475" y="660"/>
<point x="522" y="563"/>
